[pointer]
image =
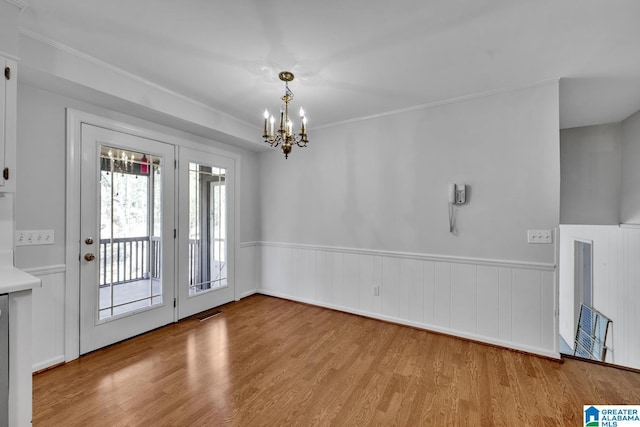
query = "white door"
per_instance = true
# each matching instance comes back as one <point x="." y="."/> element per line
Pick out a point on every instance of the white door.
<point x="127" y="236"/>
<point x="205" y="240"/>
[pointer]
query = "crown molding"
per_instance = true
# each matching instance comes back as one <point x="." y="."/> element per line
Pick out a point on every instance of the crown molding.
<point x="10" y="56"/>
<point x="22" y="5"/>
<point x="124" y="73"/>
<point x="447" y="101"/>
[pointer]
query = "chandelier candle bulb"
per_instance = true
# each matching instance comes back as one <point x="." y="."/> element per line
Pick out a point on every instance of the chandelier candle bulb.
<point x="266" y="117"/>
<point x="272" y="120"/>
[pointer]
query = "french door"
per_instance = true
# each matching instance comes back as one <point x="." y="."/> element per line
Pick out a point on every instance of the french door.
<point x="127" y="236"/>
<point x="206" y="200"/>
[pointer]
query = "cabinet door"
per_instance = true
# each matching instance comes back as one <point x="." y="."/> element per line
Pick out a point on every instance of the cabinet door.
<point x="3" y="119"/>
<point x="8" y="96"/>
<point x="4" y="360"/>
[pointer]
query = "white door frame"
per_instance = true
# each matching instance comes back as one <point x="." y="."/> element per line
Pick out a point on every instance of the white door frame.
<point x="75" y="119"/>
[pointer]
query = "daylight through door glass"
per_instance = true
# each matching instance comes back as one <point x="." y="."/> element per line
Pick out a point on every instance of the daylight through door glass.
<point x="207" y="228"/>
<point x="130" y="239"/>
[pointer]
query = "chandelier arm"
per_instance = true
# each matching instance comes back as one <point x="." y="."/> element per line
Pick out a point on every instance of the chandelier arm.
<point x="300" y="142"/>
<point x="273" y="142"/>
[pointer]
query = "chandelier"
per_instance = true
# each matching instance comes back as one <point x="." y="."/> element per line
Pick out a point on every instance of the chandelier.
<point x="285" y="136"/>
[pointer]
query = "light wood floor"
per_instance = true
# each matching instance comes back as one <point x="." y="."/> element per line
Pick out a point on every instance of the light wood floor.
<point x="267" y="361"/>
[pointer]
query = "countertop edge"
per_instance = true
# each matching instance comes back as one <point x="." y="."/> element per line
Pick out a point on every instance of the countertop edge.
<point x="13" y="279"/>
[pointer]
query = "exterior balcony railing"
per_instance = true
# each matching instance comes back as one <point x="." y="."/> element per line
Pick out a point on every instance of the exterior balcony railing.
<point x="128" y="259"/>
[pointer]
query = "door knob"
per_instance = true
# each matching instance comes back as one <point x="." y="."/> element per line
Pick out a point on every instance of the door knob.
<point x="89" y="256"/>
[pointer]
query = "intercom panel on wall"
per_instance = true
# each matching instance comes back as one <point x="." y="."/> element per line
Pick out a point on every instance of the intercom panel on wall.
<point x="457" y="194"/>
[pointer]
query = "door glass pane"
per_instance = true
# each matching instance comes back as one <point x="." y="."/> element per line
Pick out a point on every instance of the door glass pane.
<point x="582" y="271"/>
<point x="207" y="228"/>
<point x="130" y="240"/>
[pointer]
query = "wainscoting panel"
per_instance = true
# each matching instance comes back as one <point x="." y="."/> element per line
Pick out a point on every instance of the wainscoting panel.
<point x="442" y="295"/>
<point x="246" y="274"/>
<point x="505" y="310"/>
<point x="389" y="290"/>
<point x="498" y="302"/>
<point x="47" y="345"/>
<point x="412" y="274"/>
<point x="464" y="297"/>
<point x="367" y="284"/>
<point x="549" y="312"/>
<point x="526" y="304"/>
<point x="616" y="275"/>
<point x="325" y="275"/>
<point x="487" y="305"/>
<point x="429" y="289"/>
<point x="625" y="330"/>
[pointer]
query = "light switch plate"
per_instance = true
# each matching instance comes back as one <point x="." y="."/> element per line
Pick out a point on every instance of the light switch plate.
<point x="540" y="236"/>
<point x="34" y="237"/>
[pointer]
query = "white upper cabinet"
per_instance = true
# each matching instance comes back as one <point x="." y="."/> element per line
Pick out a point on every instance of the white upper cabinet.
<point x="8" y="106"/>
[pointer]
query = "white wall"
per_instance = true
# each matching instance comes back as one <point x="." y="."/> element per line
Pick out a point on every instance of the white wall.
<point x="40" y="204"/>
<point x="630" y="208"/>
<point x="381" y="185"/>
<point x="591" y="174"/>
<point x="616" y="273"/>
<point x="8" y="28"/>
<point x="6" y="222"/>
<point x="40" y="195"/>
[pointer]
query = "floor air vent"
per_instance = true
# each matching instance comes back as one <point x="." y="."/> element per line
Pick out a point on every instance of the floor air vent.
<point x="206" y="315"/>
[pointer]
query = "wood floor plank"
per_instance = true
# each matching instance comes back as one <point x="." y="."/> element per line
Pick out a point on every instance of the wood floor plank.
<point x="266" y="361"/>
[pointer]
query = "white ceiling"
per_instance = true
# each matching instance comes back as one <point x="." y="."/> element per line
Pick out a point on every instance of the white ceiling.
<point x="357" y="58"/>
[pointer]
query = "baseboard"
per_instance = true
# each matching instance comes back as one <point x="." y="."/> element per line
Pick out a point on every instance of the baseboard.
<point x="600" y="363"/>
<point x="427" y="327"/>
<point x="47" y="364"/>
<point x="248" y="294"/>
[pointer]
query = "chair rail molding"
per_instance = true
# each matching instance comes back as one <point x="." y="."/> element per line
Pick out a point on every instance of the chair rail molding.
<point x="46" y="269"/>
<point x="413" y="255"/>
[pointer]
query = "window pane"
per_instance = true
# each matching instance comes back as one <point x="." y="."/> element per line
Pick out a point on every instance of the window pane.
<point x="207" y="228"/>
<point x="129" y="255"/>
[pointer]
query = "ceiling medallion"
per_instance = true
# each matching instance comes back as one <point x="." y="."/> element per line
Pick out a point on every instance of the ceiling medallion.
<point x="284" y="135"/>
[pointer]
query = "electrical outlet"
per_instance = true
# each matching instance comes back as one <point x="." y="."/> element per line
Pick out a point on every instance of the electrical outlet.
<point x="34" y="237"/>
<point x="539" y="236"/>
